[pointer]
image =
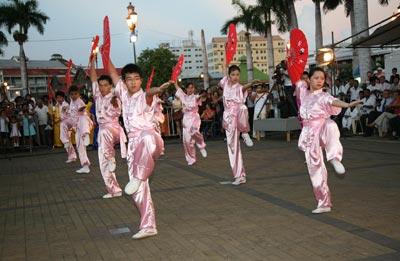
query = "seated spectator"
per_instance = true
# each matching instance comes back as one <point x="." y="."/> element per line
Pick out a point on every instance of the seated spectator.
<point x="394" y="75"/>
<point x="207" y="119"/>
<point x="394" y="124"/>
<point x="391" y="111"/>
<point x="372" y="84"/>
<point x="382" y="84"/>
<point x="368" y="105"/>
<point x="354" y="90"/>
<point x="350" y="117"/>
<point x="395" y="84"/>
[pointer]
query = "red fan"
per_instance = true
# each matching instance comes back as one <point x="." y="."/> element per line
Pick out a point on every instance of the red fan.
<point x="297" y="55"/>
<point x="68" y="79"/>
<point x="231" y="44"/>
<point x="95" y="43"/>
<point x="177" y="69"/>
<point x="105" y="48"/>
<point x="150" y="80"/>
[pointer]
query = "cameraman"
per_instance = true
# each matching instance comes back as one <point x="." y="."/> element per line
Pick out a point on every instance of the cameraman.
<point x="288" y="88"/>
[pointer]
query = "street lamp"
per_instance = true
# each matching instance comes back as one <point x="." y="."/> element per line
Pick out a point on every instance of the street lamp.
<point x="131" y="21"/>
<point x="325" y="56"/>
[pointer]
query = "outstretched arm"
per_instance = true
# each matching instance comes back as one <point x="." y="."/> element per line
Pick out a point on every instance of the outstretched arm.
<point x="341" y="104"/>
<point x="113" y="73"/>
<point x="156" y="90"/>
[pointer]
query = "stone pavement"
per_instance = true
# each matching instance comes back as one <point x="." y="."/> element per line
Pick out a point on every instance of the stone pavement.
<point x="47" y="212"/>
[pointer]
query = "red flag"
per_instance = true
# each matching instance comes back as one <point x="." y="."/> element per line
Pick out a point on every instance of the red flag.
<point x="297" y="54"/>
<point x="150" y="80"/>
<point x="95" y="44"/>
<point x="50" y="91"/>
<point x="231" y="44"/>
<point x="68" y="79"/>
<point x="177" y="69"/>
<point x="105" y="48"/>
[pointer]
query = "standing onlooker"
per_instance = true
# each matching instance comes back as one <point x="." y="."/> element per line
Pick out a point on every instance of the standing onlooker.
<point x="28" y="127"/>
<point x="42" y="112"/>
<point x="250" y="107"/>
<point x="15" y="133"/>
<point x="3" y="129"/>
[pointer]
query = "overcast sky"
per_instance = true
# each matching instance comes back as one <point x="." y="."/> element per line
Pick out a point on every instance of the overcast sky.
<point x="159" y="21"/>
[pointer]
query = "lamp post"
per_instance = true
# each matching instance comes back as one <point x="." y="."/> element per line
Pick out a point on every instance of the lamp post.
<point x="131" y="21"/>
<point x="326" y="56"/>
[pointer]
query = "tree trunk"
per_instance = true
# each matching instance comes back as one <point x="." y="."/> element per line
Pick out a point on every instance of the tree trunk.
<point x="292" y="15"/>
<point x="270" y="48"/>
<point x="205" y="61"/>
<point x="355" y="56"/>
<point x="361" y="23"/>
<point x="318" y="26"/>
<point x="249" y="58"/>
<point x="24" y="72"/>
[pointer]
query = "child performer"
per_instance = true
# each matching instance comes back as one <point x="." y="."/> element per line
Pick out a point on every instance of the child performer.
<point x="145" y="143"/>
<point x="235" y="120"/>
<point x="320" y="132"/>
<point x="57" y="112"/>
<point x="74" y="117"/>
<point x="108" y="110"/>
<point x="191" y="123"/>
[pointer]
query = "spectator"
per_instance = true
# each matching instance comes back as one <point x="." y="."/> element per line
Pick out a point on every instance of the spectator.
<point x="354" y="90"/>
<point x="250" y="106"/>
<point x="42" y="112"/>
<point x="372" y="84"/>
<point x="4" y="129"/>
<point x="369" y="103"/>
<point x="373" y="115"/>
<point x="260" y="112"/>
<point x="379" y="72"/>
<point x="177" y="115"/>
<point x="207" y="118"/>
<point x="395" y="84"/>
<point x="350" y="117"/>
<point x="15" y="133"/>
<point x="382" y="84"/>
<point x="394" y="124"/>
<point x="28" y="127"/>
<point x="394" y="75"/>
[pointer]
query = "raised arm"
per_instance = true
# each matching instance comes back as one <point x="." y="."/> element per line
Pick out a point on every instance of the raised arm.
<point x="113" y="73"/>
<point x="156" y="90"/>
<point x="92" y="72"/>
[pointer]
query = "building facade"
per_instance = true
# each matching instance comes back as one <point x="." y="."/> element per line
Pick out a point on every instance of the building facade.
<point x="216" y="52"/>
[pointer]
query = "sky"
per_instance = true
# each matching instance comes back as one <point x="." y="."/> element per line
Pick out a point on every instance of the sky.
<point x="72" y="24"/>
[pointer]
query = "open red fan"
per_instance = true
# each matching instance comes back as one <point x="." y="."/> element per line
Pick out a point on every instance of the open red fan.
<point x="177" y="68"/>
<point x="105" y="48"/>
<point x="297" y="55"/>
<point x="150" y="80"/>
<point x="95" y="43"/>
<point x="231" y="44"/>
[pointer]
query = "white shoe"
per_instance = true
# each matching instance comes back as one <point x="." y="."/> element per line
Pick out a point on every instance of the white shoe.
<point x="109" y="195"/>
<point x="338" y="166"/>
<point x="70" y="160"/>
<point x="86" y="140"/>
<point x="321" y="210"/>
<point x="84" y="169"/>
<point x="145" y="232"/>
<point x="132" y="186"/>
<point x="203" y="153"/>
<point x="66" y="145"/>
<point x="247" y="140"/>
<point x="111" y="165"/>
<point x="239" y="181"/>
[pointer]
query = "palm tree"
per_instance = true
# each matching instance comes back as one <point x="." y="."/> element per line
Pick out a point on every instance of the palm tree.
<point x="245" y="17"/>
<point x="22" y="15"/>
<point x="265" y="11"/>
<point x="291" y="12"/>
<point x="3" y="41"/>
<point x="318" y="25"/>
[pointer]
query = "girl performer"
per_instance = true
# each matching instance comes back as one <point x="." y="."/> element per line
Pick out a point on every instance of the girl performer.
<point x="235" y="120"/>
<point x="191" y="123"/>
<point x="320" y="132"/>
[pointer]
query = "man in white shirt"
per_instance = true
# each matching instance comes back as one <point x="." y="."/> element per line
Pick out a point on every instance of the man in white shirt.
<point x="354" y="90"/>
<point x="369" y="104"/>
<point x="382" y="84"/>
<point x="372" y="84"/>
<point x="380" y="108"/>
<point x="42" y="113"/>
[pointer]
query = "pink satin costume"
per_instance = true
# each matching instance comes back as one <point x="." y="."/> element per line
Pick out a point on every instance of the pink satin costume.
<point x="191" y="122"/>
<point x="319" y="132"/>
<point x="73" y="119"/>
<point x="144" y="147"/>
<point x="110" y="133"/>
<point x="235" y="121"/>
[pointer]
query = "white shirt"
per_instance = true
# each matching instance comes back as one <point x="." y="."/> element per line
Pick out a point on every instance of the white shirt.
<point x="384" y="102"/>
<point x="370" y="101"/>
<point x="3" y="124"/>
<point x="42" y="114"/>
<point x="382" y="86"/>
<point x="354" y="93"/>
<point x="286" y="79"/>
<point x="352" y="114"/>
<point x="259" y="103"/>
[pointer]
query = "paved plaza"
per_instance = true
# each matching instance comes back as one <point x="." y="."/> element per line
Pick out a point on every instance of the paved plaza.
<point x="47" y="212"/>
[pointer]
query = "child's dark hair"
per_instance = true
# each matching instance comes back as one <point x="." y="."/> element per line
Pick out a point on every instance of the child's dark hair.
<point x="73" y="88"/>
<point x="317" y="69"/>
<point x="233" y="68"/>
<point x="60" y="93"/>
<point x="188" y="84"/>
<point x="130" y="68"/>
<point x="105" y="77"/>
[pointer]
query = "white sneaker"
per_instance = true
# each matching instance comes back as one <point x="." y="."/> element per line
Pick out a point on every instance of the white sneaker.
<point x="70" y="160"/>
<point x="132" y="186"/>
<point x="247" y="140"/>
<point x="203" y="153"/>
<point x="86" y="140"/>
<point x="84" y="169"/>
<point x="338" y="166"/>
<point x="321" y="210"/>
<point x="239" y="181"/>
<point x="145" y="232"/>
<point x="109" y="195"/>
<point x="66" y="145"/>
<point x="111" y="165"/>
